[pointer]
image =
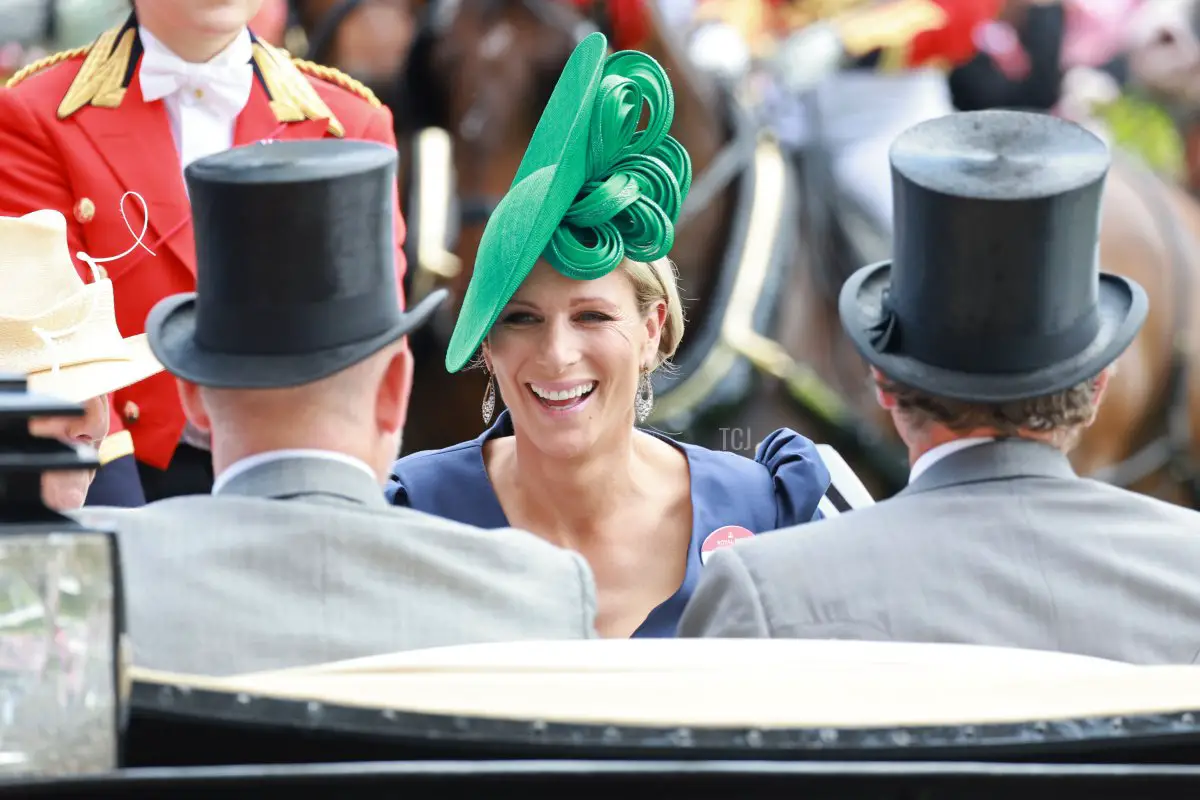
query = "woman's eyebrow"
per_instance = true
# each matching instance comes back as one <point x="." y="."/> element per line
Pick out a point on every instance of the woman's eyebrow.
<point x="579" y="301"/>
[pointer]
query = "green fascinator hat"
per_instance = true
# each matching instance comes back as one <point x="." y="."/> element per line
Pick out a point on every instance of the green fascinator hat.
<point x="591" y="190"/>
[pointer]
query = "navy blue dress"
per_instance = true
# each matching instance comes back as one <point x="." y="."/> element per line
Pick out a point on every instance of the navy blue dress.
<point x="781" y="486"/>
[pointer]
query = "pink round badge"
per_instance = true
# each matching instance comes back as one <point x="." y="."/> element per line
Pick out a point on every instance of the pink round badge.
<point x="727" y="536"/>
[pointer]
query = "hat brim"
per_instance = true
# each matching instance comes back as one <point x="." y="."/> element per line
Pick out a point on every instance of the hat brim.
<point x="171" y="328"/>
<point x="545" y="186"/>
<point x="80" y="382"/>
<point x="498" y="275"/>
<point x="1122" y="309"/>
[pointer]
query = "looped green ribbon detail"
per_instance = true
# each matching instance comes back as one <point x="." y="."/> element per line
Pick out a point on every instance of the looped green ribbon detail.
<point x="636" y="180"/>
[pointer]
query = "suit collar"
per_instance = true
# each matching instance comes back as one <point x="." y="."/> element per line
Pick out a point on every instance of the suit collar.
<point x="288" y="477"/>
<point x="992" y="461"/>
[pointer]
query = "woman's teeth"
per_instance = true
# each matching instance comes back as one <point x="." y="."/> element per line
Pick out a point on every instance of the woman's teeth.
<point x="563" y="394"/>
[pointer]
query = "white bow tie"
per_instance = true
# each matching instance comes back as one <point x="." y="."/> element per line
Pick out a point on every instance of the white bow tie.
<point x="225" y="87"/>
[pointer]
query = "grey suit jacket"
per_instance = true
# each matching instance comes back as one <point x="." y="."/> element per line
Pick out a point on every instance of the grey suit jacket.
<point x="998" y="544"/>
<point x="302" y="561"/>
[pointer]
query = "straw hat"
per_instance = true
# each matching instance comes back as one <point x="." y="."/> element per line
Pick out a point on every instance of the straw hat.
<point x="57" y="330"/>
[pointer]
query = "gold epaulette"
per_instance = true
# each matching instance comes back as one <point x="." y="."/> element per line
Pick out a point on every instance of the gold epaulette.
<point x="338" y="78"/>
<point x="802" y="13"/>
<point x="45" y="62"/>
<point x="293" y="98"/>
<point x="892" y="25"/>
<point x="101" y="79"/>
<point x="114" y="446"/>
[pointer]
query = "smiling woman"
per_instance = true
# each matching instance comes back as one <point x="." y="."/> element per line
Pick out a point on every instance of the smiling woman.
<point x="569" y="355"/>
<point x="572" y="304"/>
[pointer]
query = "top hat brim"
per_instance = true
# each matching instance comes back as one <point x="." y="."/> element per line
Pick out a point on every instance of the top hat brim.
<point x="1122" y="308"/>
<point x="78" y="383"/>
<point x="171" y="328"/>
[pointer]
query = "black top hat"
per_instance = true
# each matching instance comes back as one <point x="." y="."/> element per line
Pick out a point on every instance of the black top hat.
<point x="295" y="266"/>
<point x="994" y="292"/>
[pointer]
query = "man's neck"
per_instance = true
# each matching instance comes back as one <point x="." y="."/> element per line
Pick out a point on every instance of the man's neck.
<point x="937" y="435"/>
<point x="230" y="449"/>
<point x="193" y="48"/>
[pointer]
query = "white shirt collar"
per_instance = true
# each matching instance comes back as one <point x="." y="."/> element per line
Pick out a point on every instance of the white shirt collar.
<point x="222" y="84"/>
<point x="239" y="51"/>
<point x="936" y="454"/>
<point x="258" y="459"/>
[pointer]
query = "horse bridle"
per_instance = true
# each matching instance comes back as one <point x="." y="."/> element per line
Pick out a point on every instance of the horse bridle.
<point x="420" y="112"/>
<point x="326" y="27"/>
<point x="436" y="17"/>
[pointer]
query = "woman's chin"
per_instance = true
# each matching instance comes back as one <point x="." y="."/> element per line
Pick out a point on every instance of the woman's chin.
<point x="560" y="441"/>
<point x="565" y="445"/>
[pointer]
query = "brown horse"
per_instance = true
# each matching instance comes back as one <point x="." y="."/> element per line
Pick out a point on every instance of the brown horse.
<point x="764" y="347"/>
<point x="385" y="44"/>
<point x="483" y="70"/>
<point x="369" y="39"/>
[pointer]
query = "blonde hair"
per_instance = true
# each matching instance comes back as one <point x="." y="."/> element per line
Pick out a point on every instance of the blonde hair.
<point x="654" y="281"/>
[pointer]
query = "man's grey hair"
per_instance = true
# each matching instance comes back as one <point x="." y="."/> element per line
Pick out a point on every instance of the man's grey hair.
<point x="1062" y="413"/>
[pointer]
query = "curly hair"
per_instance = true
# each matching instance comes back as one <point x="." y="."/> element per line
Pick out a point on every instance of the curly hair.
<point x="1063" y="412"/>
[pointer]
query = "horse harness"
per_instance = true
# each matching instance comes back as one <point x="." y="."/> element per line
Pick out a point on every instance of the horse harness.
<point x="433" y="209"/>
<point x="1171" y="450"/>
<point x="715" y="375"/>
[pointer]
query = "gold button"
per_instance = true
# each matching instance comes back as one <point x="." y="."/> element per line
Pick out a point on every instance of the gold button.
<point x="132" y="412"/>
<point x="85" y="209"/>
<point x="198" y="94"/>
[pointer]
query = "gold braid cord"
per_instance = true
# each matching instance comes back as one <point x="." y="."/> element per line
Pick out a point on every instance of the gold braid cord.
<point x="46" y="62"/>
<point x="892" y="25"/>
<point x="293" y="97"/>
<point x="100" y="80"/>
<point x="338" y="78"/>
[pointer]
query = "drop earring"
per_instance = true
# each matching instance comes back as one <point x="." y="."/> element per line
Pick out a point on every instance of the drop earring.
<point x="644" y="402"/>
<point x="489" y="401"/>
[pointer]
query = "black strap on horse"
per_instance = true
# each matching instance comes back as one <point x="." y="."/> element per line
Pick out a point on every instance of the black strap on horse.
<point x="50" y="30"/>
<point x="476" y="209"/>
<point x="325" y="28"/>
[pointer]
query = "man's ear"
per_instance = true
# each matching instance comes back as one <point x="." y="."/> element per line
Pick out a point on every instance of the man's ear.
<point x="886" y="399"/>
<point x="1101" y="386"/>
<point x="193" y="405"/>
<point x="395" y="388"/>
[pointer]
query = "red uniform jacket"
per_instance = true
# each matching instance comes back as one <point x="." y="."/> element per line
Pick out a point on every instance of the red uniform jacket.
<point x="949" y="43"/>
<point x="954" y="43"/>
<point x="75" y="136"/>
